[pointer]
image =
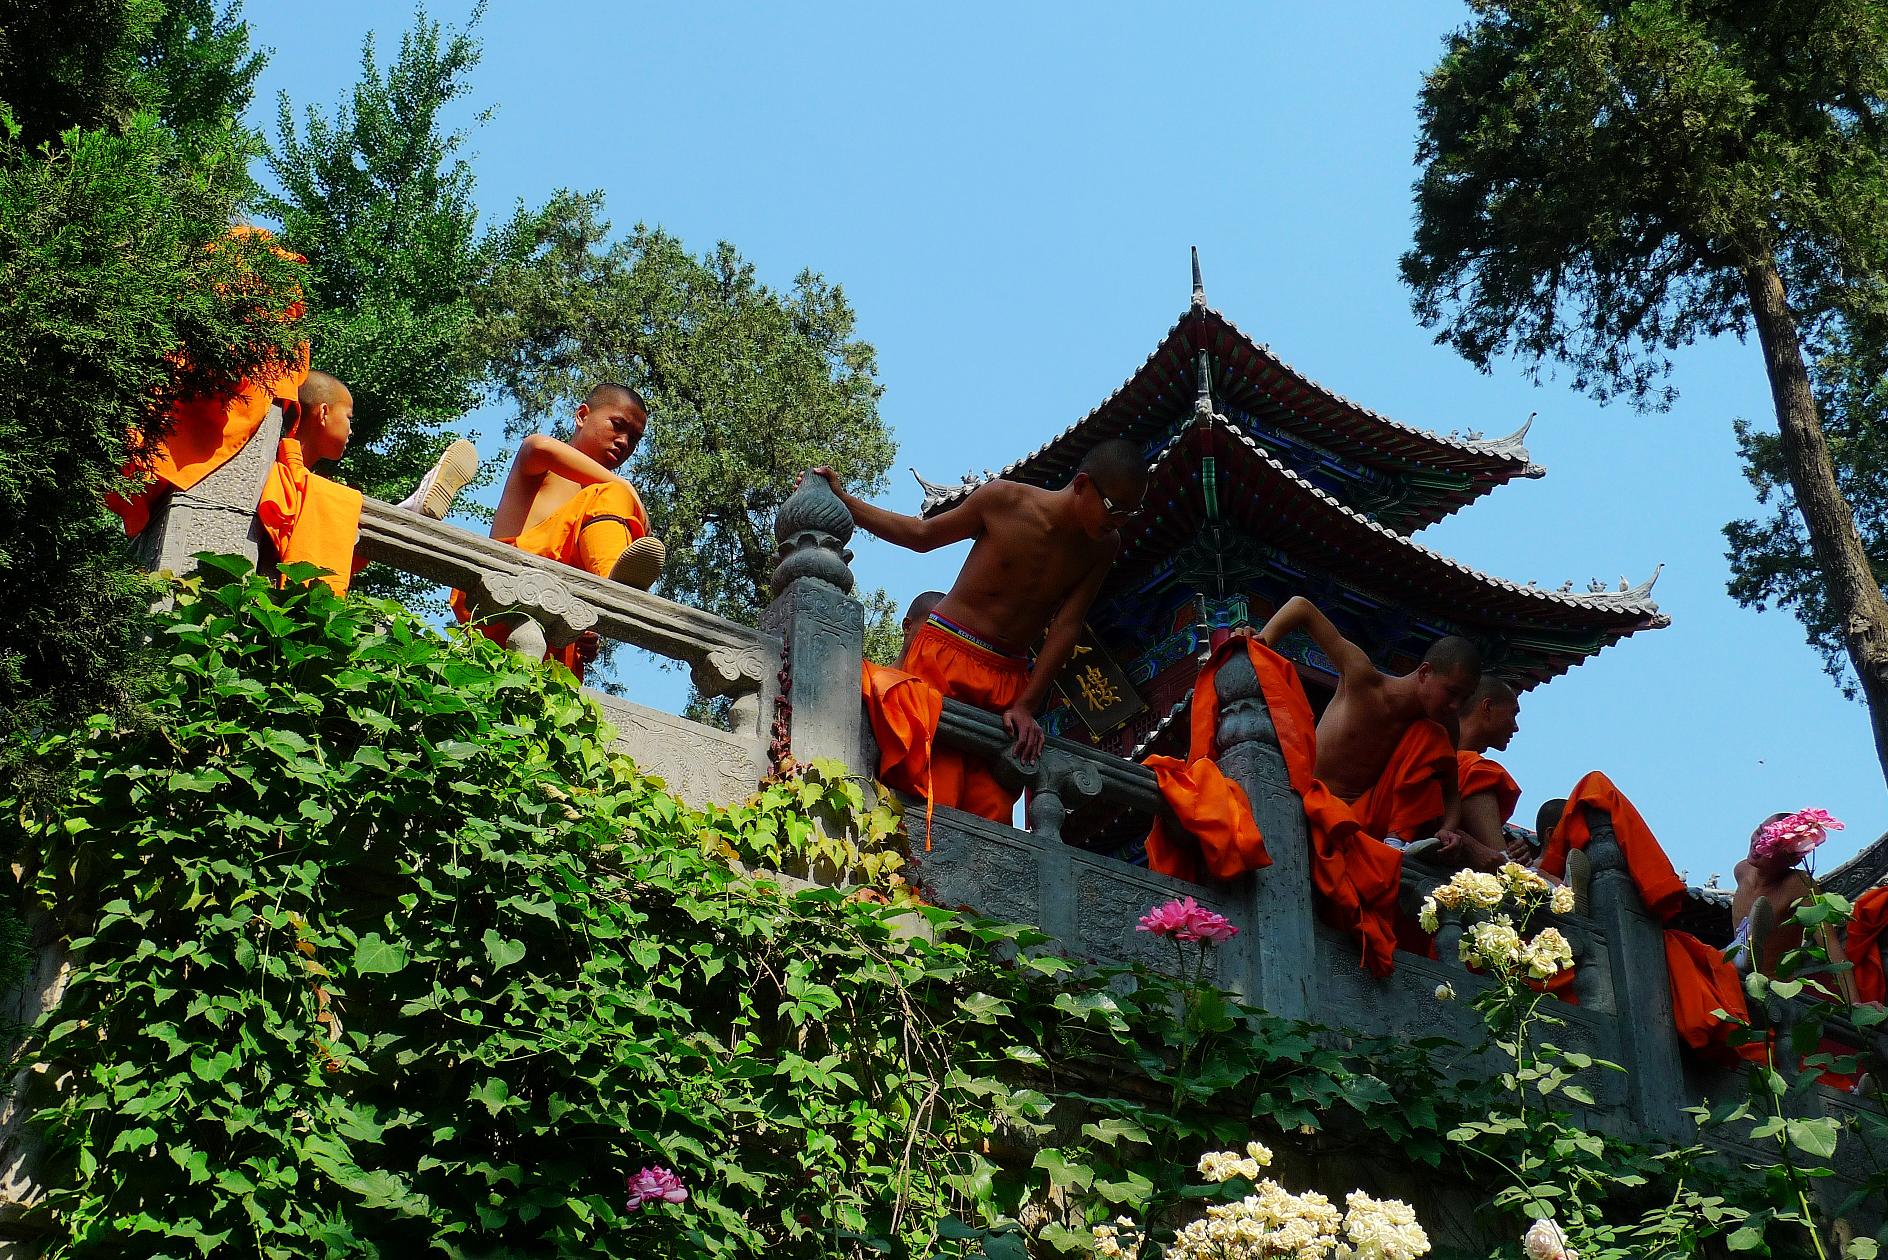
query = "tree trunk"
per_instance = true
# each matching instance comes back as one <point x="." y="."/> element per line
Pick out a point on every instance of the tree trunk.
<point x="1855" y="597"/>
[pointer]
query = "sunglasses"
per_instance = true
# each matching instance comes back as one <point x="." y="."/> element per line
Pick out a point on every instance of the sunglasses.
<point x="1118" y="512"/>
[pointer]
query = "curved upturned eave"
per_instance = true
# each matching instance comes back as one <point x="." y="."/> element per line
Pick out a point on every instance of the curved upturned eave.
<point x="1348" y="429"/>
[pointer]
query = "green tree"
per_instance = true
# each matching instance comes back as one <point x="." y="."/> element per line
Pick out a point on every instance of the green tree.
<point x="1771" y="560"/>
<point x="121" y="165"/>
<point x="748" y="386"/>
<point x="1605" y="181"/>
<point x="379" y="198"/>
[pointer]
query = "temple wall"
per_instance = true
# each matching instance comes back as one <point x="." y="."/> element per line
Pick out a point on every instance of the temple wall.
<point x="794" y="686"/>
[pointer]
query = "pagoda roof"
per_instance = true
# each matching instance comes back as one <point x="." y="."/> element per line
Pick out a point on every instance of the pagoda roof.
<point x="1397" y="473"/>
<point x="1302" y="528"/>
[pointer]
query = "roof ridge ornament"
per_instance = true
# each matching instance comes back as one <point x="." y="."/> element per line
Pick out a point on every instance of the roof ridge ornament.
<point x="1514" y="446"/>
<point x="1199" y="286"/>
<point x="1203" y="390"/>
<point x="936" y="493"/>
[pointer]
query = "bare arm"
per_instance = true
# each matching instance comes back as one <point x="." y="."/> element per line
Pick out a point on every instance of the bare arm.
<point x="919" y="533"/>
<point x="539" y="454"/>
<point x="1300" y="613"/>
<point x="1481" y="818"/>
<point x="1064" y="629"/>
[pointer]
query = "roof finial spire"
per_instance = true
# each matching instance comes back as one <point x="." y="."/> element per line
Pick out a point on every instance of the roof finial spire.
<point x="1203" y="396"/>
<point x="1199" y="285"/>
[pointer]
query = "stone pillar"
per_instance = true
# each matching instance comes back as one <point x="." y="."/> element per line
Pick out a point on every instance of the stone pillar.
<point x="1642" y="992"/>
<point x="218" y="513"/>
<point x="1284" y="946"/>
<point x="821" y="628"/>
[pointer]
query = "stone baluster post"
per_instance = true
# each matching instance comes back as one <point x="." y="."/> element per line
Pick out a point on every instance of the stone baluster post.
<point x="1283" y="942"/>
<point x="822" y="629"/>
<point x="1642" y="994"/>
<point x="218" y="513"/>
<point x="1057" y="784"/>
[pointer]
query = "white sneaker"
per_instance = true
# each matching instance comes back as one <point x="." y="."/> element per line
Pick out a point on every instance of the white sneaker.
<point x="443" y="481"/>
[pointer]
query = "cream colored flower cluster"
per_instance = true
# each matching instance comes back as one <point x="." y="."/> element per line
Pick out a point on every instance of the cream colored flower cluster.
<point x="1494" y="945"/>
<point x="1224" y="1165"/>
<point x="1544" y="1241"/>
<point x="1272" y="1223"/>
<point x="1492" y="942"/>
<point x="1117" y="1241"/>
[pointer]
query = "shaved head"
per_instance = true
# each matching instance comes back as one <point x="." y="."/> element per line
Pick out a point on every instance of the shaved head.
<point x="321" y="388"/>
<point x="921" y="608"/>
<point x="1117" y="467"/>
<point x="615" y="392"/>
<point x="1454" y="656"/>
<point x="1491" y="687"/>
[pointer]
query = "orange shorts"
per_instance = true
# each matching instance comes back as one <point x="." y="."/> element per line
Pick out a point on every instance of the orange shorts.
<point x="963" y="669"/>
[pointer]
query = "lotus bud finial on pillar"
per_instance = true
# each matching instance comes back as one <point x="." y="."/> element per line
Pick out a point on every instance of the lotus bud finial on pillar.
<point x="812" y="528"/>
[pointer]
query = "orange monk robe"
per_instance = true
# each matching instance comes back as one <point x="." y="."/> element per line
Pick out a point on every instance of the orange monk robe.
<point x="904" y="711"/>
<point x="1704" y="983"/>
<point x="1217" y="836"/>
<point x="1862" y="945"/>
<point x="1659" y="885"/>
<point x="589" y="532"/>
<point x="1476" y="774"/>
<point x="1356" y="876"/>
<point x="1406" y="799"/>
<point x="310" y="519"/>
<point x="974" y="674"/>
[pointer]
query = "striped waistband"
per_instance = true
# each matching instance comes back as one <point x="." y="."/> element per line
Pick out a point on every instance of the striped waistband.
<point x="981" y="644"/>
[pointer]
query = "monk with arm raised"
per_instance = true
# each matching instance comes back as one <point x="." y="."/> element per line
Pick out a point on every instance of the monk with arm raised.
<point x="1386" y="744"/>
<point x="1037" y="560"/>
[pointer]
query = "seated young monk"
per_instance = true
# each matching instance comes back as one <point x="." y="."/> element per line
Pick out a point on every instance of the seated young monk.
<point x="564" y="501"/>
<point x="1037" y="560"/>
<point x="1488" y="719"/>
<point x="1386" y="744"/>
<point x="309" y="518"/>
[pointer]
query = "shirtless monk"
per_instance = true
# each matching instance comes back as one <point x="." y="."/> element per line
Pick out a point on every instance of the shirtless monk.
<point x="1379" y="726"/>
<point x="564" y="501"/>
<point x="1489" y="719"/>
<point x="1775" y="875"/>
<point x="1038" y="559"/>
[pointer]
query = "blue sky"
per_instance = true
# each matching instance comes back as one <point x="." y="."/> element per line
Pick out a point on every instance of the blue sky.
<point x="1007" y="194"/>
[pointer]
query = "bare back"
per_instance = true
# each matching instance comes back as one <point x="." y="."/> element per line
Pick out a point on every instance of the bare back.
<point x="1028" y="558"/>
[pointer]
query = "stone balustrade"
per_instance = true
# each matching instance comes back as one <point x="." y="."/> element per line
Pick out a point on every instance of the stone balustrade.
<point x="795" y="689"/>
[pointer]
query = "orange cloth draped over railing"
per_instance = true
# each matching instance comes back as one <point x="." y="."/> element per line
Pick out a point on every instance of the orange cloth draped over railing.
<point x="310" y="519"/>
<point x="1659" y="885"/>
<point x="1476" y="774"/>
<point x="1356" y="876"/>
<point x="1217" y="835"/>
<point x="1862" y="945"/>
<point x="1703" y="983"/>
<point x="904" y="711"/>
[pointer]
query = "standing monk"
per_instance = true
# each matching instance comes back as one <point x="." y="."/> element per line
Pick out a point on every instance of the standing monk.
<point x="564" y="501"/>
<point x="1038" y="559"/>
<point x="1386" y="743"/>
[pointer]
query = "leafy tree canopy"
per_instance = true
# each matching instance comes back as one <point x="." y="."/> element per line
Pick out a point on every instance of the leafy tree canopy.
<point x="121" y="168"/>
<point x="379" y="197"/>
<point x="748" y="386"/>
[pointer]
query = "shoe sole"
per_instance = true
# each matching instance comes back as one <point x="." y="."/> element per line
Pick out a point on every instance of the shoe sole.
<point x="640" y="564"/>
<point x="457" y="467"/>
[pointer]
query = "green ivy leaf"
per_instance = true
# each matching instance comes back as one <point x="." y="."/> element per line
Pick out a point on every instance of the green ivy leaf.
<point x="376" y="957"/>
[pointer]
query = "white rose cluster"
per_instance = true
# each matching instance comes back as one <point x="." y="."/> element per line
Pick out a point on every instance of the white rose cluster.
<point x="1272" y="1223"/>
<point x="1118" y="1240"/>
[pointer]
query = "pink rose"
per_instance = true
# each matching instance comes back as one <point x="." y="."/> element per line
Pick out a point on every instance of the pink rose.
<point x="652" y="1184"/>
<point x="1794" y="834"/>
<point x="1186" y="920"/>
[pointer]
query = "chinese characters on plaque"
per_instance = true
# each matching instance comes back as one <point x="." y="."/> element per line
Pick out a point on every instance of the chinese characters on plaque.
<point x="1096" y="687"/>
